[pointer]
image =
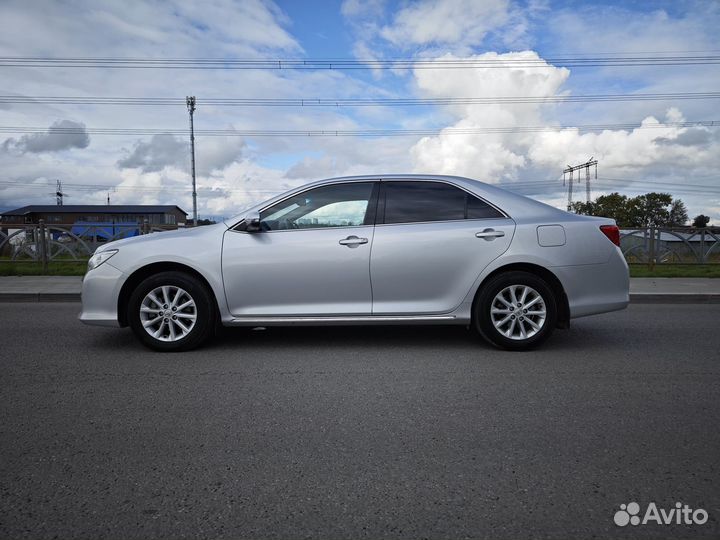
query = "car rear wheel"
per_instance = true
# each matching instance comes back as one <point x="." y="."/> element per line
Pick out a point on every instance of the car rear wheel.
<point x="171" y="311"/>
<point x="515" y="311"/>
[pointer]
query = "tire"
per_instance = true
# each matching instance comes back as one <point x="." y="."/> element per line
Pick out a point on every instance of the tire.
<point x="176" y="329"/>
<point x="499" y="322"/>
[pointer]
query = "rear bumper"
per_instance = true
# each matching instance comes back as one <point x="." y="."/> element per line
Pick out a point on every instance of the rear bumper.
<point x="100" y="291"/>
<point x="596" y="288"/>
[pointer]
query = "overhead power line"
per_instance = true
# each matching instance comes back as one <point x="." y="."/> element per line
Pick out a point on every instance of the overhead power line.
<point x="658" y="182"/>
<point x="61" y="130"/>
<point x="651" y="188"/>
<point x="620" y="60"/>
<point x="353" y="102"/>
<point x="603" y="183"/>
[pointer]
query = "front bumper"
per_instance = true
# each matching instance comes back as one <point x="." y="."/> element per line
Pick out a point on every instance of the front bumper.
<point x="100" y="291"/>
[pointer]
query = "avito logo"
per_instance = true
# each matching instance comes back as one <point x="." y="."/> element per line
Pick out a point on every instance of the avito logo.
<point x="680" y="515"/>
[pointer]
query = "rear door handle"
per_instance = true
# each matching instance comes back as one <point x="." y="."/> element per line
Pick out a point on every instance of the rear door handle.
<point x="489" y="234"/>
<point x="353" y="241"/>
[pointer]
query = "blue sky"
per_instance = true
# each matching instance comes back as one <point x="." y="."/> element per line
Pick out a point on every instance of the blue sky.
<point x="236" y="171"/>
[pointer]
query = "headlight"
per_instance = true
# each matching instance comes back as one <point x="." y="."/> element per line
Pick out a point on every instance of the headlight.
<point x="99" y="258"/>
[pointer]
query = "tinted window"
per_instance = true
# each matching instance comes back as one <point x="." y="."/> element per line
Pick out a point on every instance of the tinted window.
<point x="338" y="205"/>
<point x="409" y="202"/>
<point x="412" y="202"/>
<point x="479" y="209"/>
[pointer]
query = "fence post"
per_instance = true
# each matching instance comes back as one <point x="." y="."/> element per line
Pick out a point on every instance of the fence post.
<point x="651" y="249"/>
<point x="703" y="257"/>
<point x="42" y="246"/>
<point x="146" y="226"/>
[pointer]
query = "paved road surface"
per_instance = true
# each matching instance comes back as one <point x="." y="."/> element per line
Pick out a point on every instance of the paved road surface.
<point x="358" y="432"/>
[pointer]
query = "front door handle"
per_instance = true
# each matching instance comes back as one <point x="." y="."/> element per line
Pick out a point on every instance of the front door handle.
<point x="490" y="234"/>
<point x="353" y="241"/>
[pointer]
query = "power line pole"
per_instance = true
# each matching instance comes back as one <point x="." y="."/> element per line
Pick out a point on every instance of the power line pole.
<point x="570" y="186"/>
<point x="59" y="193"/>
<point x="190" y="101"/>
<point x="570" y="170"/>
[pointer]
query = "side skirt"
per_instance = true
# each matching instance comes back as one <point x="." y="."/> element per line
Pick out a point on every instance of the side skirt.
<point x="350" y="320"/>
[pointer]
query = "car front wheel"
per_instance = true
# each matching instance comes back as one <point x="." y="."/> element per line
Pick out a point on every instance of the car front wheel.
<point x="516" y="311"/>
<point x="171" y="311"/>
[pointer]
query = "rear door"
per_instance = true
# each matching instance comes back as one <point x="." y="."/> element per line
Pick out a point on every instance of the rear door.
<point x="432" y="240"/>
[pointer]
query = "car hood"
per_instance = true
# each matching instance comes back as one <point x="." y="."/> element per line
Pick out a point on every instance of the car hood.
<point x="160" y="235"/>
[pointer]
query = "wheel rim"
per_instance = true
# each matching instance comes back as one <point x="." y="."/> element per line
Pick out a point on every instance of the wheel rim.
<point x="168" y="313"/>
<point x="518" y="312"/>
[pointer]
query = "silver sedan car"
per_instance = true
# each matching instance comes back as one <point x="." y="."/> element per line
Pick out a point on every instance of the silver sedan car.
<point x="394" y="249"/>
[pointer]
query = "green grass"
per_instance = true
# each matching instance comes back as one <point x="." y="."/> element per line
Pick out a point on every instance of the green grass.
<point x="676" y="270"/>
<point x="61" y="268"/>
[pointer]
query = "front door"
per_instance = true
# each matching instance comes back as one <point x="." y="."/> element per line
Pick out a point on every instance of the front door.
<point x="312" y="256"/>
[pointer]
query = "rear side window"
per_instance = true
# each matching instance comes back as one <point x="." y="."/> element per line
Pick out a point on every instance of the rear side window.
<point x="413" y="202"/>
<point x="479" y="209"/>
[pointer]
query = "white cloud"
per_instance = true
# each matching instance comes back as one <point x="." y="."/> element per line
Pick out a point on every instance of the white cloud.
<point x="434" y="27"/>
<point x="165" y="150"/>
<point x="489" y="157"/>
<point x="310" y="167"/>
<point x="445" y="22"/>
<point x="158" y="167"/>
<point x="631" y="150"/>
<point x="362" y="8"/>
<point x="160" y="151"/>
<point x="635" y="30"/>
<point x="146" y="29"/>
<point x="668" y="154"/>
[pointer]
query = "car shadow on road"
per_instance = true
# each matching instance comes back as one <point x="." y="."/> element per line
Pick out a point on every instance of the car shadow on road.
<point x="348" y="336"/>
<point x="444" y="339"/>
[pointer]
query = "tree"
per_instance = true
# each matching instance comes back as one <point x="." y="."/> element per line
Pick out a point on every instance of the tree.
<point x="584" y="208"/>
<point x="701" y="221"/>
<point x="651" y="209"/>
<point x="614" y="206"/>
<point x="678" y="214"/>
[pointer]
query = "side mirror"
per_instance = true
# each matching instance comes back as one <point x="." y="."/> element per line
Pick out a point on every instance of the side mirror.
<point x="252" y="223"/>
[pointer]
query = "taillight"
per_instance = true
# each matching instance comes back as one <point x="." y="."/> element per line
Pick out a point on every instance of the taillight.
<point x="612" y="232"/>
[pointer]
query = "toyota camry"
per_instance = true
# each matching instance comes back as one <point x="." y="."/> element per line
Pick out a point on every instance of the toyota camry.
<point x="394" y="249"/>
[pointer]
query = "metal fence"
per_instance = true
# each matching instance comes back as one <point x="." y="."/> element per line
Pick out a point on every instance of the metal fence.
<point x="681" y="245"/>
<point x="42" y="243"/>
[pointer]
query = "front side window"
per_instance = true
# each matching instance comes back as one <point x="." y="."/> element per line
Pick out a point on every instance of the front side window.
<point x="338" y="205"/>
<point x="414" y="202"/>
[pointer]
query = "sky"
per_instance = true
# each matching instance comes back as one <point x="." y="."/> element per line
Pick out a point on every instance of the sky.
<point x="238" y="170"/>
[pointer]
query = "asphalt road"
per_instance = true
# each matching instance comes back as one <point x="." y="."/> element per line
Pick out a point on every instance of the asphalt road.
<point x="358" y="432"/>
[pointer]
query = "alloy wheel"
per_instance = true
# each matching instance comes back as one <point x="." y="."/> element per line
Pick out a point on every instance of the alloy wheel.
<point x="168" y="313"/>
<point x="518" y="312"/>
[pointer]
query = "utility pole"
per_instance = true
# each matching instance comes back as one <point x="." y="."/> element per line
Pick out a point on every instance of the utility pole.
<point x="190" y="101"/>
<point x="570" y="186"/>
<point x="570" y="170"/>
<point x="59" y="193"/>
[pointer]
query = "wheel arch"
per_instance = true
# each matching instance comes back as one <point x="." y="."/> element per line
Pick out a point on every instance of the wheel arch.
<point x="552" y="280"/>
<point x="148" y="270"/>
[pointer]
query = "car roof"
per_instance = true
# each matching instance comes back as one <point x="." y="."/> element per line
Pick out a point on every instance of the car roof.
<point x="518" y="207"/>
